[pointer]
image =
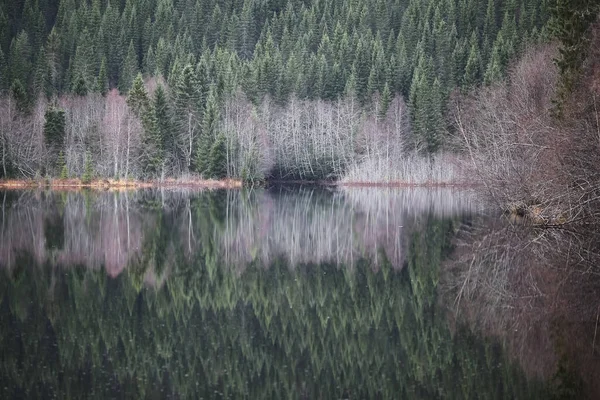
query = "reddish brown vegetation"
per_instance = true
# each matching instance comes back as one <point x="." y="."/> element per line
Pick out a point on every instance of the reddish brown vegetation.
<point x="527" y="158"/>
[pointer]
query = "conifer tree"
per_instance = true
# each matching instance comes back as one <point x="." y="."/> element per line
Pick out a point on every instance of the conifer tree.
<point x="494" y="71"/>
<point x="188" y="102"/>
<point x="3" y="71"/>
<point x="218" y="158"/>
<point x="80" y="87"/>
<point x="129" y="70"/>
<point x="54" y="136"/>
<point x="20" y="66"/>
<point x="207" y="134"/>
<point x="473" y="67"/>
<point x="386" y="99"/>
<point x="102" y="79"/>
<point x="164" y="121"/>
<point x="41" y="77"/>
<point x="571" y="20"/>
<point x="137" y="99"/>
<point x="18" y="93"/>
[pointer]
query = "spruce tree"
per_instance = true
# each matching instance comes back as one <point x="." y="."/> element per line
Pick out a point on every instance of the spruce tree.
<point x="473" y="68"/>
<point x="80" y="87"/>
<point x="102" y="79"/>
<point x="54" y="127"/>
<point x="129" y="69"/>
<point x="218" y="158"/>
<point x="494" y="71"/>
<point x="137" y="99"/>
<point x="571" y="20"/>
<point x="152" y="147"/>
<point x="18" y="93"/>
<point x="20" y="66"/>
<point x="164" y="120"/>
<point x="385" y="100"/>
<point x="54" y="136"/>
<point x="207" y="134"/>
<point x="3" y="71"/>
<point x="41" y="77"/>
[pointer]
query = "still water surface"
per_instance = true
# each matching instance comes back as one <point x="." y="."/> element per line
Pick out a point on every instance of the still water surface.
<point x="282" y="293"/>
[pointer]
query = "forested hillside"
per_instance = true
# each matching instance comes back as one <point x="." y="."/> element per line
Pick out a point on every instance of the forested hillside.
<point x="252" y="88"/>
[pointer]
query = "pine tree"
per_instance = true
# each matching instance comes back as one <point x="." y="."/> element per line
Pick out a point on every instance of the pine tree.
<point x="84" y="63"/>
<point x="137" y="99"/>
<point x="54" y="136"/>
<point x="494" y="71"/>
<point x="3" y="71"/>
<point x="62" y="166"/>
<point x="88" y="169"/>
<point x="218" y="158"/>
<point x="571" y="20"/>
<point x="473" y="68"/>
<point x="129" y="70"/>
<point x="102" y="79"/>
<point x="18" y="93"/>
<point x="152" y="148"/>
<point x="54" y="127"/>
<point x="20" y="65"/>
<point x="41" y="77"/>
<point x="53" y="55"/>
<point x="164" y="120"/>
<point x="80" y="87"/>
<point x="207" y="134"/>
<point x="385" y="100"/>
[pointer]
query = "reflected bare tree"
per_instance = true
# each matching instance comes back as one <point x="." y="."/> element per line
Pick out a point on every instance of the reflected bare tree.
<point x="149" y="229"/>
<point x="536" y="289"/>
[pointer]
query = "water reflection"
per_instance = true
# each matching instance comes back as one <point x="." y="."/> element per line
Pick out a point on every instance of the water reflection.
<point x="264" y="294"/>
<point x="113" y="230"/>
<point x="537" y="290"/>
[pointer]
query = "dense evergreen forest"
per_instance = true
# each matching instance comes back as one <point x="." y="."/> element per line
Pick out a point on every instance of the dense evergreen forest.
<point x="249" y="89"/>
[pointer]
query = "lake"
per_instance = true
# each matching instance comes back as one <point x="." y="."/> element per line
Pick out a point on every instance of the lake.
<point x="288" y="292"/>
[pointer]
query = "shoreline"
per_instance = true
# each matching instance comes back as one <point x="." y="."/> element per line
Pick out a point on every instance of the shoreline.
<point x="111" y="184"/>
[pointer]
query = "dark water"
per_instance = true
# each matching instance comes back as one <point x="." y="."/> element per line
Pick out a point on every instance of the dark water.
<point x="280" y="293"/>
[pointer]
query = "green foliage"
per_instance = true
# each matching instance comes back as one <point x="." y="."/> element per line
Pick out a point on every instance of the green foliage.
<point x="18" y="93"/>
<point x="312" y="49"/>
<point x="20" y="60"/>
<point x="473" y="67"/>
<point x="570" y="22"/>
<point x="54" y="127"/>
<point x="129" y="69"/>
<point x="80" y="87"/>
<point x="208" y="134"/>
<point x="218" y="158"/>
<point x="88" y="171"/>
<point x="102" y="79"/>
<point x="137" y="99"/>
<point x="62" y="165"/>
<point x="164" y="120"/>
<point x="152" y="144"/>
<point x="386" y="98"/>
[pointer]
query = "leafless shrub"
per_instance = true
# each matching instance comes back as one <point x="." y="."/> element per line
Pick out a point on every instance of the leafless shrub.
<point x="506" y="130"/>
<point x="526" y="158"/>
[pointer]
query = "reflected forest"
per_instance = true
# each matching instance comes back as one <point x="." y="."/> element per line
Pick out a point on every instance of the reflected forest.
<point x="156" y="294"/>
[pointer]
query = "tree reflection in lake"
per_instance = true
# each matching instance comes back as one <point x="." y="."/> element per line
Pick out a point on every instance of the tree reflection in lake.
<point x="536" y="289"/>
<point x="265" y="294"/>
